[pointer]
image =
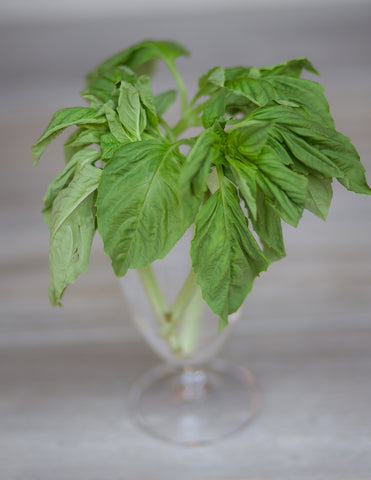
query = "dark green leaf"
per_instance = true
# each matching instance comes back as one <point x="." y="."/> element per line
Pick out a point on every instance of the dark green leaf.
<point x="268" y="227"/>
<point x="291" y="68"/>
<point x="198" y="162"/>
<point x="245" y="174"/>
<point x="286" y="190"/>
<point x="319" y="196"/>
<point x="258" y="91"/>
<point x="211" y="81"/>
<point x="225" y="255"/>
<point x="303" y="92"/>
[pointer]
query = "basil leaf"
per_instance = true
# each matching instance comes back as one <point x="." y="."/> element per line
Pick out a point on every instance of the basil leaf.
<point x="72" y="231"/>
<point x="62" y="119"/>
<point x="131" y="112"/>
<point x="137" y="55"/>
<point x="249" y="140"/>
<point x="81" y="138"/>
<point x="101" y="91"/>
<point x="303" y="92"/>
<point x="291" y="68"/>
<point x="225" y="255"/>
<point x="245" y="178"/>
<point x="146" y="96"/>
<point x="197" y="165"/>
<point x="115" y="126"/>
<point x="211" y="81"/>
<point x="287" y="190"/>
<point x="258" y="91"/>
<point x="163" y="101"/>
<point x="319" y="196"/>
<point x="153" y="216"/>
<point x="268" y="226"/>
<point x="61" y="181"/>
<point x="108" y="144"/>
<point x="215" y="108"/>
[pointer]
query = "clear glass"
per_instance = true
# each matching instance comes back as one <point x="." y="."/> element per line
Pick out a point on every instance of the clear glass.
<point x="191" y="398"/>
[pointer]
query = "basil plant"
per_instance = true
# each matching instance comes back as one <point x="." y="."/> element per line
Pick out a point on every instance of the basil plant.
<point x="267" y="149"/>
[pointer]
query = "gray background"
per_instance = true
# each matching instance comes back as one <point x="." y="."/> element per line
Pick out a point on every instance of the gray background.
<point x="306" y="335"/>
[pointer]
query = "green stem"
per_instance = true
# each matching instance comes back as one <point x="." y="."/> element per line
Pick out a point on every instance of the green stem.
<point x="184" y="294"/>
<point x="154" y="293"/>
<point x="168" y="130"/>
<point x="181" y="85"/>
<point x="180" y="304"/>
<point x="189" y="333"/>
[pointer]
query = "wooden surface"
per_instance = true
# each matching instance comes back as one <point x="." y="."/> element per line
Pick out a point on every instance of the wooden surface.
<point x="306" y="331"/>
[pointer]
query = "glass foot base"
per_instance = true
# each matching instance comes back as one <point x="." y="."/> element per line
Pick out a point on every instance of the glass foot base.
<point x="192" y="405"/>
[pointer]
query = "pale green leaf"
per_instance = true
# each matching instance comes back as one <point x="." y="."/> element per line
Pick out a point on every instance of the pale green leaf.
<point x="115" y="126"/>
<point x="81" y="138"/>
<point x="164" y="100"/>
<point x="61" y="120"/>
<point x="61" y="181"/>
<point x="140" y="209"/>
<point x="131" y="112"/>
<point x="72" y="231"/>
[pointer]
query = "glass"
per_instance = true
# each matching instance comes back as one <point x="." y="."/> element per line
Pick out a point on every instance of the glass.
<point x="191" y="398"/>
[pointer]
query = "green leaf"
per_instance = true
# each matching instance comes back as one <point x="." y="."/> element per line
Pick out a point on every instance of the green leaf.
<point x="319" y="196"/>
<point x="61" y="120"/>
<point x="268" y="226"/>
<point x="311" y="156"/>
<point x="81" y="138"/>
<point x="215" y="108"/>
<point x="249" y="140"/>
<point x="61" y="181"/>
<point x="131" y="112"/>
<point x="258" y="91"/>
<point x="286" y="190"/>
<point x="163" y="101"/>
<point x="303" y="92"/>
<point x="291" y="68"/>
<point x="225" y="255"/>
<point x="315" y="148"/>
<point x="115" y="126"/>
<point x="108" y="144"/>
<point x="72" y="231"/>
<point x="101" y="91"/>
<point x="153" y="216"/>
<point x="196" y="167"/>
<point x="211" y="81"/>
<point x="146" y="96"/>
<point x="137" y="55"/>
<point x="245" y="178"/>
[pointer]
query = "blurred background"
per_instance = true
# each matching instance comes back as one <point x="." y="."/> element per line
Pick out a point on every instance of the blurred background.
<point x="306" y="331"/>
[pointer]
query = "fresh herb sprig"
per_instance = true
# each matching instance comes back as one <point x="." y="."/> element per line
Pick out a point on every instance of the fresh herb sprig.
<point x="267" y="150"/>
